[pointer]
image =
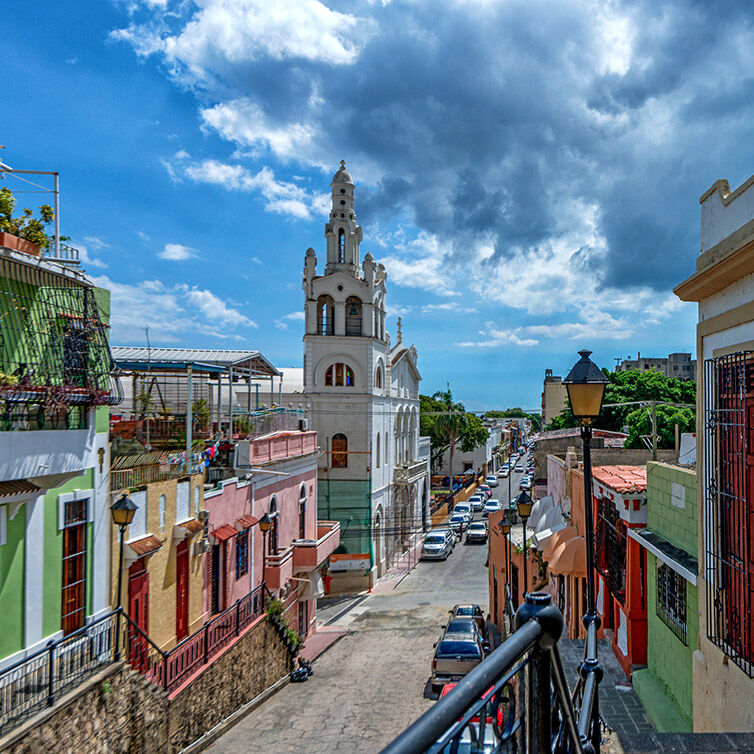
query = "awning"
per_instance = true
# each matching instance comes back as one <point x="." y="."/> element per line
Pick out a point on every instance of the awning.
<point x="18" y="487"/>
<point x="224" y="532"/>
<point x="246" y="522"/>
<point x="187" y="528"/>
<point x="556" y="540"/>
<point x="145" y="546"/>
<point x="570" y="558"/>
<point x="541" y="538"/>
<point x="678" y="560"/>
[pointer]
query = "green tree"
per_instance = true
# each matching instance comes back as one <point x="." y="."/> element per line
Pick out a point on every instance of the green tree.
<point x="26" y="226"/>
<point x="628" y="387"/>
<point x="515" y="413"/>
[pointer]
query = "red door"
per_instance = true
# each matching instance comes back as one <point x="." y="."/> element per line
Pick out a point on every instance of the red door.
<point x="138" y="611"/>
<point x="181" y="591"/>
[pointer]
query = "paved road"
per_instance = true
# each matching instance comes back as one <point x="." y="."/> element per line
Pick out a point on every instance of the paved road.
<point x="371" y="684"/>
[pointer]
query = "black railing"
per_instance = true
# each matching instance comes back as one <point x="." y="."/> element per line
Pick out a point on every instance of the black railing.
<point x="35" y="682"/>
<point x="518" y="698"/>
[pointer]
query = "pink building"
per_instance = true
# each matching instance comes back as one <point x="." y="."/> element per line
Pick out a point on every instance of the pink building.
<point x="279" y="473"/>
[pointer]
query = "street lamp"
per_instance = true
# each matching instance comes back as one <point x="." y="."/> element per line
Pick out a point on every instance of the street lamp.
<point x="586" y="388"/>
<point x="122" y="511"/>
<point x="524" y="505"/>
<point x="264" y="524"/>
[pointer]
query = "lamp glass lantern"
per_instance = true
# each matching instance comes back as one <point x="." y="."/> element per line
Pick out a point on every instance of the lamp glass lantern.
<point x="524" y="504"/>
<point x="123" y="510"/>
<point x="265" y="523"/>
<point x="505" y="526"/>
<point x="586" y="388"/>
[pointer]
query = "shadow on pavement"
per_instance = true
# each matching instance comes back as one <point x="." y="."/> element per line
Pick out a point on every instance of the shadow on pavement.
<point x="428" y="692"/>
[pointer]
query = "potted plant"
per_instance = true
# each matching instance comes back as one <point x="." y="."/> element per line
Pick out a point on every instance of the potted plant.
<point x="25" y="233"/>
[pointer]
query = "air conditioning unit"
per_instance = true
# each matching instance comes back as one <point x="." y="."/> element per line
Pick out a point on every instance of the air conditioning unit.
<point x="201" y="547"/>
<point x="203" y="515"/>
<point x="303" y="425"/>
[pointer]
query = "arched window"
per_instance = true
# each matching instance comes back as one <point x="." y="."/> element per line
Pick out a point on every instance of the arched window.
<point x="378" y="378"/>
<point x="325" y="315"/>
<point x="353" y="315"/>
<point x="162" y="512"/>
<point x="339" y="451"/>
<point x="341" y="245"/>
<point x="272" y="548"/>
<point x="376" y="330"/>
<point x="302" y="512"/>
<point x="377" y="454"/>
<point x="339" y="375"/>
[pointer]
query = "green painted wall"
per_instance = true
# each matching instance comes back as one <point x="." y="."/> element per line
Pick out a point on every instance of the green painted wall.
<point x="349" y="502"/>
<point x="12" y="585"/>
<point x="53" y="554"/>
<point x="677" y="525"/>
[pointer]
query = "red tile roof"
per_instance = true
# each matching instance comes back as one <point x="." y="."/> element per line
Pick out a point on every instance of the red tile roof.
<point x="622" y="479"/>
<point x="192" y="526"/>
<point x="146" y="545"/>
<point x="224" y="532"/>
<point x="246" y="522"/>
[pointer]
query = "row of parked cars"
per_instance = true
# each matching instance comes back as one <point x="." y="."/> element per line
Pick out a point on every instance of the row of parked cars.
<point x="462" y="646"/>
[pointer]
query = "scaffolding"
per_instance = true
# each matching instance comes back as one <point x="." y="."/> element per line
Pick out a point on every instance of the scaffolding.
<point x="54" y="352"/>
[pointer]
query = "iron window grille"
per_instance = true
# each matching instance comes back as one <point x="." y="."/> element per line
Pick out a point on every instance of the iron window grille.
<point x="728" y="478"/>
<point x="671" y="600"/>
<point x="610" y="548"/>
<point x="242" y="553"/>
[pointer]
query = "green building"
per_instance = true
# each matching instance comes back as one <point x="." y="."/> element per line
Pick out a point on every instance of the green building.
<point x="56" y="382"/>
<point x="670" y="541"/>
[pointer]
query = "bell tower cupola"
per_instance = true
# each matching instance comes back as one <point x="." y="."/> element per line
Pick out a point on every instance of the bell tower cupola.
<point x="342" y="232"/>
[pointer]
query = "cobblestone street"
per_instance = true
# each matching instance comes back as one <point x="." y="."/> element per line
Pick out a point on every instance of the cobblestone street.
<point x="370" y="685"/>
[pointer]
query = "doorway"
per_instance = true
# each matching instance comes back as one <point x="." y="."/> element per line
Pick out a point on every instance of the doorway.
<point x="138" y="611"/>
<point x="303" y="617"/>
<point x="181" y="591"/>
<point x="215" y="591"/>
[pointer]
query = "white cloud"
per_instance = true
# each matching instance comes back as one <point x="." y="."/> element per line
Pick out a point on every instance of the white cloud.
<point x="95" y="242"/>
<point x="281" y="197"/>
<point x="218" y="312"/>
<point x="176" y="252"/>
<point x="282" y="323"/>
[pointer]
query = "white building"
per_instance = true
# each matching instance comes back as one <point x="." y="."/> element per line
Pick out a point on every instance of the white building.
<point x="363" y="397"/>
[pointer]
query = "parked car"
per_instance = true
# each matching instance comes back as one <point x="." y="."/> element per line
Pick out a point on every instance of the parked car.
<point x="477" y="532"/>
<point x="519" y="467"/>
<point x="503" y="471"/>
<point x="470" y="611"/>
<point x="491" y="480"/>
<point x="436" y="546"/>
<point x="464" y="508"/>
<point x="462" y="624"/>
<point x="458" y="523"/>
<point x="491" y="506"/>
<point x="476" y="501"/>
<point x="525" y="484"/>
<point x="485" y="488"/>
<point x="455" y="655"/>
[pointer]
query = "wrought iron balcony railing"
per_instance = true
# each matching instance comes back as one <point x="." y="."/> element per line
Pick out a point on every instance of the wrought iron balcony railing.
<point x="518" y="698"/>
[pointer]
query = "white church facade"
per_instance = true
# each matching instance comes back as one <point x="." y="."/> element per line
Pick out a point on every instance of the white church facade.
<point x="363" y="399"/>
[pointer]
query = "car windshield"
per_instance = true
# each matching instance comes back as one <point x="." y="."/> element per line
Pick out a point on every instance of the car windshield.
<point x="456" y="519"/>
<point x="462" y="626"/>
<point x="434" y="539"/>
<point x="468" y="648"/>
<point x="465" y="611"/>
<point x="461" y="508"/>
<point x="477" y="527"/>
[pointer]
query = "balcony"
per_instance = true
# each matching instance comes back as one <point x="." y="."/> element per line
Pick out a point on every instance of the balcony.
<point x="411" y="472"/>
<point x="278" y="568"/>
<point x="309" y="553"/>
<point x="279" y="447"/>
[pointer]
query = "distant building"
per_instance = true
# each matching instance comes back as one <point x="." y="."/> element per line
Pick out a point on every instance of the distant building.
<point x="678" y="365"/>
<point x="554" y="397"/>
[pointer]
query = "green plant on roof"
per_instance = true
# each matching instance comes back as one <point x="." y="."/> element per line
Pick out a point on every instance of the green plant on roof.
<point x="26" y="226"/>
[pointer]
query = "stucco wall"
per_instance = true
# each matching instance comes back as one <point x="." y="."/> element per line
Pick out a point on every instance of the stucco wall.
<point x="12" y="555"/>
<point x="672" y="504"/>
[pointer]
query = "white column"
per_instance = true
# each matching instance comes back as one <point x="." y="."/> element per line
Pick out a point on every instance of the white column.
<point x="34" y="549"/>
<point x="101" y="523"/>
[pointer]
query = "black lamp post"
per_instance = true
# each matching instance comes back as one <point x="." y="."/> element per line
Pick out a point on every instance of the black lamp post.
<point x="505" y="529"/>
<point x="524" y="504"/>
<point x="264" y="524"/>
<point x="122" y="510"/>
<point x="586" y="388"/>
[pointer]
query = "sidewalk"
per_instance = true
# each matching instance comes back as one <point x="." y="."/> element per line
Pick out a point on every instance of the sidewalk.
<point x="321" y="640"/>
<point x="400" y="570"/>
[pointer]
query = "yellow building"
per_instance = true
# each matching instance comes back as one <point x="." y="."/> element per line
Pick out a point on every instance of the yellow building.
<point x="163" y="563"/>
<point x="554" y="397"/>
<point x="723" y="286"/>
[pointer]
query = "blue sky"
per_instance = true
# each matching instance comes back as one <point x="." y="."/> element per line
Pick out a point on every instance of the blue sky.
<point x="528" y="171"/>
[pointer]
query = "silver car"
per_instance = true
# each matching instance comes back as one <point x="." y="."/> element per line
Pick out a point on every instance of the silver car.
<point x="436" y="546"/>
<point x="458" y="523"/>
<point x="477" y="532"/>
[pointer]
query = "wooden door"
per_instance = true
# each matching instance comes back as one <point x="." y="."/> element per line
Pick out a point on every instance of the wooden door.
<point x="138" y="611"/>
<point x="181" y="590"/>
<point x="215" y="576"/>
<point x="73" y="610"/>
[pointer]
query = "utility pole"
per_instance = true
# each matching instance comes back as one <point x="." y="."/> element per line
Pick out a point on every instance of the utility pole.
<point x="653" y="419"/>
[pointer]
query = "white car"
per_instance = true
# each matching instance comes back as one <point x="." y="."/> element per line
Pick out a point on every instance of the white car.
<point x="519" y="467"/>
<point x="491" y="480"/>
<point x="458" y="523"/>
<point x="525" y="484"/>
<point x="491" y="506"/>
<point x="476" y="502"/>
<point x="463" y="509"/>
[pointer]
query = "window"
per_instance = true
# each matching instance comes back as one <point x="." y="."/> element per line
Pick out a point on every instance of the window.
<point x="242" y="553"/>
<point x="353" y="316"/>
<point x="671" y="600"/>
<point x="378" y="378"/>
<point x="339" y="375"/>
<point x="729" y="504"/>
<point x="377" y="452"/>
<point x="325" y="315"/>
<point x="162" y="512"/>
<point x="341" y="245"/>
<point x="74" y="566"/>
<point x="339" y="451"/>
<point x="273" y="534"/>
<point x="302" y="512"/>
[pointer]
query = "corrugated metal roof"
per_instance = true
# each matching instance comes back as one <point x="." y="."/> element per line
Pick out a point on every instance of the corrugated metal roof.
<point x="145" y="545"/>
<point x="192" y="526"/>
<point x="226" y="359"/>
<point x="17" y="487"/>
<point x="224" y="532"/>
<point x="246" y="522"/>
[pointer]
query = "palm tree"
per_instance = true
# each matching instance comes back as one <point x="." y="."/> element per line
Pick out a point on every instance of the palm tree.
<point x="450" y="423"/>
